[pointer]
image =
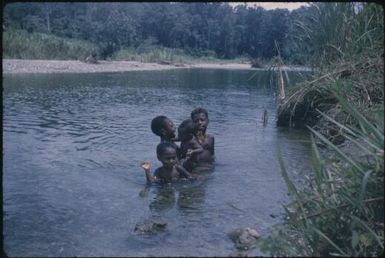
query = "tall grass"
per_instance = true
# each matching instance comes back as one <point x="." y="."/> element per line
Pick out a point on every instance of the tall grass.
<point x="152" y="55"/>
<point x="362" y="81"/>
<point x="338" y="31"/>
<point x="158" y="54"/>
<point x="20" y="44"/>
<point x="340" y="212"/>
<point x="356" y="57"/>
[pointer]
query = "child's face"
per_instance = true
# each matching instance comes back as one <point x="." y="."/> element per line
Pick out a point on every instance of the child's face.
<point x="184" y="135"/>
<point x="169" y="129"/>
<point x="168" y="157"/>
<point x="200" y="122"/>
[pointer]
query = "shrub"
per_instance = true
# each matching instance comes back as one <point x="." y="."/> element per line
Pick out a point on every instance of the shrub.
<point x="23" y="45"/>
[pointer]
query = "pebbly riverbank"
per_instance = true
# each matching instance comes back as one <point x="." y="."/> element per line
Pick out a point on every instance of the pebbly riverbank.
<point x="20" y="66"/>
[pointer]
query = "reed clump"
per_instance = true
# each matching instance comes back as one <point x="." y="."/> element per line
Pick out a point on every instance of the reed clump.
<point x="340" y="211"/>
<point x="360" y="81"/>
<point x="350" y="55"/>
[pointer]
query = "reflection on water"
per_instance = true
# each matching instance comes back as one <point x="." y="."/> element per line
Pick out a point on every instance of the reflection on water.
<point x="72" y="145"/>
<point x="165" y="199"/>
<point x="191" y="199"/>
<point x="187" y="196"/>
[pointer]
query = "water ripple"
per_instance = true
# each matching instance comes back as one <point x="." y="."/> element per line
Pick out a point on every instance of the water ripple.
<point x="72" y="148"/>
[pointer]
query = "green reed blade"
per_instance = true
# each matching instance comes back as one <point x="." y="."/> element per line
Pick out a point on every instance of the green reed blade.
<point x="329" y="240"/>
<point x="363" y="185"/>
<point x="290" y="185"/>
<point x="334" y="147"/>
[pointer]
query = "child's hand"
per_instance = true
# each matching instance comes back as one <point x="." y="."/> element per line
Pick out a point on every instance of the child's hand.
<point x="145" y="165"/>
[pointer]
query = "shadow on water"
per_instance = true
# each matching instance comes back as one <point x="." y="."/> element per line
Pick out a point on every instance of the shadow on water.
<point x="185" y="196"/>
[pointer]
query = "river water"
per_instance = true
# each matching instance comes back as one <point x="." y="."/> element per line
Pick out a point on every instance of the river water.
<point x="72" y="145"/>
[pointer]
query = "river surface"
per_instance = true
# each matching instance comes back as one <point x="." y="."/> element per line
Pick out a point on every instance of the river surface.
<point x="72" y="145"/>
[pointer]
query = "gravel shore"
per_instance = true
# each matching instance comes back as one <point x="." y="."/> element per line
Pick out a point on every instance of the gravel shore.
<point x="67" y="66"/>
<point x="18" y="66"/>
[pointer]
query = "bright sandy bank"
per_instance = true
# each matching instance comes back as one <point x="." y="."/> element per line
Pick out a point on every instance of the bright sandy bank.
<point x="17" y="66"/>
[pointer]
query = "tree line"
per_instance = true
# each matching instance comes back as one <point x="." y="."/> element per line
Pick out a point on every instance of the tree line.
<point x="197" y="28"/>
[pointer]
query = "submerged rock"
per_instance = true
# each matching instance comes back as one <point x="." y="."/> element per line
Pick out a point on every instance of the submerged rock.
<point x="244" y="238"/>
<point x="150" y="226"/>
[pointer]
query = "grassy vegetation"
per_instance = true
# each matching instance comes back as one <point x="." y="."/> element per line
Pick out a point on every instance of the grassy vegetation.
<point x="20" y="44"/>
<point x="157" y="54"/>
<point x="337" y="31"/>
<point x="361" y="81"/>
<point x="340" y="212"/>
<point x="153" y="54"/>
<point x="357" y="65"/>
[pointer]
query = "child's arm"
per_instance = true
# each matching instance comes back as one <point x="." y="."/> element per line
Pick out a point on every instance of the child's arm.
<point x="183" y="172"/>
<point x="147" y="168"/>
<point x="195" y="148"/>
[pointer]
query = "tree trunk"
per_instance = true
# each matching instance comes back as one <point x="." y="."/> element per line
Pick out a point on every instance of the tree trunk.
<point x="47" y="11"/>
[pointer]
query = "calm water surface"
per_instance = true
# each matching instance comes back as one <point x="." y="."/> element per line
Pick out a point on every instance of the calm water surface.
<point x="72" y="145"/>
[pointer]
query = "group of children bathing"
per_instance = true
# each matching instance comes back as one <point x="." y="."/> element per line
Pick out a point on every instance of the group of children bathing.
<point x="195" y="153"/>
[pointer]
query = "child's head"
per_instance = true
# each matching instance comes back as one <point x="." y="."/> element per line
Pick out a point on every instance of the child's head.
<point x="200" y="118"/>
<point x="186" y="130"/>
<point x="163" y="127"/>
<point x="166" y="153"/>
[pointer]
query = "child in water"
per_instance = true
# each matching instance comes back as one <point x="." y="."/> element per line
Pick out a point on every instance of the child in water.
<point x="163" y="127"/>
<point x="200" y="119"/>
<point x="170" y="170"/>
<point x="189" y="146"/>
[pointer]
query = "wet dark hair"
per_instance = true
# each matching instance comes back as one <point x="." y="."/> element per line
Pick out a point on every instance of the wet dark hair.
<point x="160" y="149"/>
<point x="198" y="111"/>
<point x="187" y="126"/>
<point x="157" y="124"/>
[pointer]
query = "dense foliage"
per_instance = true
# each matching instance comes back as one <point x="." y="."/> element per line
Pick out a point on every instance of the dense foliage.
<point x="340" y="212"/>
<point x="199" y="29"/>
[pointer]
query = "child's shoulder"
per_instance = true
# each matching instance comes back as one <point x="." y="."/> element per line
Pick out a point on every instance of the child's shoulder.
<point x="209" y="137"/>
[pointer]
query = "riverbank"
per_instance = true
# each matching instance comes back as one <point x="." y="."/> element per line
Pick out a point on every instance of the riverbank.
<point x="20" y="66"/>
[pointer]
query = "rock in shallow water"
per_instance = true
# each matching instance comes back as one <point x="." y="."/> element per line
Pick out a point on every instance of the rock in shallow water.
<point x="150" y="226"/>
<point x="244" y="238"/>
